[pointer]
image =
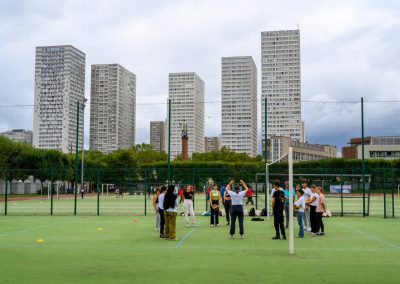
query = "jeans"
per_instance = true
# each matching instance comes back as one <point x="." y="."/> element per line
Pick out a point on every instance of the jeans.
<point x="214" y="213"/>
<point x="170" y="224"/>
<point x="237" y="212"/>
<point x="278" y="222"/>
<point x="300" y="222"/>
<point x="157" y="217"/>
<point x="313" y="218"/>
<point x="162" y="221"/>
<point x="320" y="223"/>
<point x="306" y="218"/>
<point x="188" y="208"/>
<point x="286" y="209"/>
<point x="228" y="207"/>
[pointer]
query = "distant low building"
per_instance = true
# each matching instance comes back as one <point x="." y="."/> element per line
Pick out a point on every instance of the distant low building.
<point x="19" y="135"/>
<point x="278" y="149"/>
<point x="212" y="144"/>
<point x="384" y="147"/>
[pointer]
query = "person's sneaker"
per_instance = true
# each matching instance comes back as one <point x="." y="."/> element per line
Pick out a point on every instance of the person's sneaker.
<point x="284" y="238"/>
<point x="166" y="239"/>
<point x="231" y="237"/>
<point x="217" y="225"/>
<point x="242" y="237"/>
<point x="276" y="238"/>
<point x="321" y="234"/>
<point x="173" y="239"/>
<point x="309" y="229"/>
<point x="211" y="225"/>
<point x="161" y="236"/>
<point x="313" y="234"/>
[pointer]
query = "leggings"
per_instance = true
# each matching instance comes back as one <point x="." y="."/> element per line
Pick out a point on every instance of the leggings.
<point x="313" y="218"/>
<point x="228" y="206"/>
<point x="320" y="223"/>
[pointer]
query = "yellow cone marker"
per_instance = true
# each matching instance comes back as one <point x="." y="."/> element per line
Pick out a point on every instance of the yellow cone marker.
<point x="39" y="241"/>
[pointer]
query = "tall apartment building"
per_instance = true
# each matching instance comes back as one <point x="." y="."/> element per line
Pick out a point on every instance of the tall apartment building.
<point x="157" y="135"/>
<point x="112" y="108"/>
<point x="281" y="84"/>
<point x="212" y="144"/>
<point x="59" y="85"/>
<point x="239" y="104"/>
<point x="186" y="92"/>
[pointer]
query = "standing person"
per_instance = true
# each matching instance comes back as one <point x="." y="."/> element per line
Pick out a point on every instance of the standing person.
<point x="312" y="203"/>
<point x="300" y="206"/>
<point x="215" y="196"/>
<point x="82" y="192"/>
<point x="161" y="197"/>
<point x="227" y="206"/>
<point x="170" y="211"/>
<point x="321" y="207"/>
<point x="307" y="195"/>
<point x="188" y="197"/>
<point x="237" y="206"/>
<point x="286" y="204"/>
<point x="180" y="192"/>
<point x="155" y="206"/>
<point x="249" y="195"/>
<point x="278" y="200"/>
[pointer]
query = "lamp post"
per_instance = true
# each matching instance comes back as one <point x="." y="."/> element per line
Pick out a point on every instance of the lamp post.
<point x="83" y="143"/>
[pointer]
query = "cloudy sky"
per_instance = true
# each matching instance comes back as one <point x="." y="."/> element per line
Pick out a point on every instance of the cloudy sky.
<point x="349" y="49"/>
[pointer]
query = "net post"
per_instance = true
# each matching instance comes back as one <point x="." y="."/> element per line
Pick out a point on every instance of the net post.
<point x="384" y="194"/>
<point x="291" y="233"/>
<point x="393" y="188"/>
<point x="341" y="193"/>
<point x="147" y="190"/>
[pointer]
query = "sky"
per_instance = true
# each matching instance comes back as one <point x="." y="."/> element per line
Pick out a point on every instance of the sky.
<point x="349" y="50"/>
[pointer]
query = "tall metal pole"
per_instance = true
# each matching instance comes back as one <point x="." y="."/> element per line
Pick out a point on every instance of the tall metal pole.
<point x="266" y="158"/>
<point x="83" y="145"/>
<point x="291" y="233"/>
<point x="76" y="156"/>
<point x="169" y="141"/>
<point x="363" y="154"/>
<point x="6" y="194"/>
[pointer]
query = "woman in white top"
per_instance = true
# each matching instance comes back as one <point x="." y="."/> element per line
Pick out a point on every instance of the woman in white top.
<point x="237" y="206"/>
<point x="300" y="206"/>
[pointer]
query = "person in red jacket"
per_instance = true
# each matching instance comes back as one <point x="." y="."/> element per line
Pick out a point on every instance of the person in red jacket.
<point x="180" y="192"/>
<point x="249" y="195"/>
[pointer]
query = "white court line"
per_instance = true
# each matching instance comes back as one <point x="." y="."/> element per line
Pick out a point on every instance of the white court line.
<point x="187" y="236"/>
<point x="371" y="237"/>
<point x="31" y="228"/>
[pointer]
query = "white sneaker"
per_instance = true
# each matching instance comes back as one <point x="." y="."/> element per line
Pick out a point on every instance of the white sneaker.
<point x="231" y="237"/>
<point x="242" y="237"/>
<point x="211" y="225"/>
<point x="309" y="229"/>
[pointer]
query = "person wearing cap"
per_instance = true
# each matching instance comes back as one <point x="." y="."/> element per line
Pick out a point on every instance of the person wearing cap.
<point x="237" y="206"/>
<point x="215" y="197"/>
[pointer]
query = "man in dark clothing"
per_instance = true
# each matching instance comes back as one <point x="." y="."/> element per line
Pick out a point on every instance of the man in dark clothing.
<point x="278" y="201"/>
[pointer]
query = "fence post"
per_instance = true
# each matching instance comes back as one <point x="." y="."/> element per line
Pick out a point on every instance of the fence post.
<point x="51" y="192"/>
<point x="145" y="193"/>
<point x="98" y="192"/>
<point x="76" y="157"/>
<point x="341" y="193"/>
<point x="393" y="189"/>
<point x="384" y="194"/>
<point x="363" y="154"/>
<point x="6" y="194"/>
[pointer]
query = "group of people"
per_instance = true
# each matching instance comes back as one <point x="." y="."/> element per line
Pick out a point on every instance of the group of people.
<point x="309" y="208"/>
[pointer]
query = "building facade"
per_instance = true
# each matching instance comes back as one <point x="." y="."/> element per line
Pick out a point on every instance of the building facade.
<point x="279" y="149"/>
<point x="59" y="86"/>
<point x="112" y="108"/>
<point x="281" y="84"/>
<point x="239" y="104"/>
<point x="186" y="92"/>
<point x="380" y="147"/>
<point x="19" y="135"/>
<point x="212" y="144"/>
<point x="157" y="135"/>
